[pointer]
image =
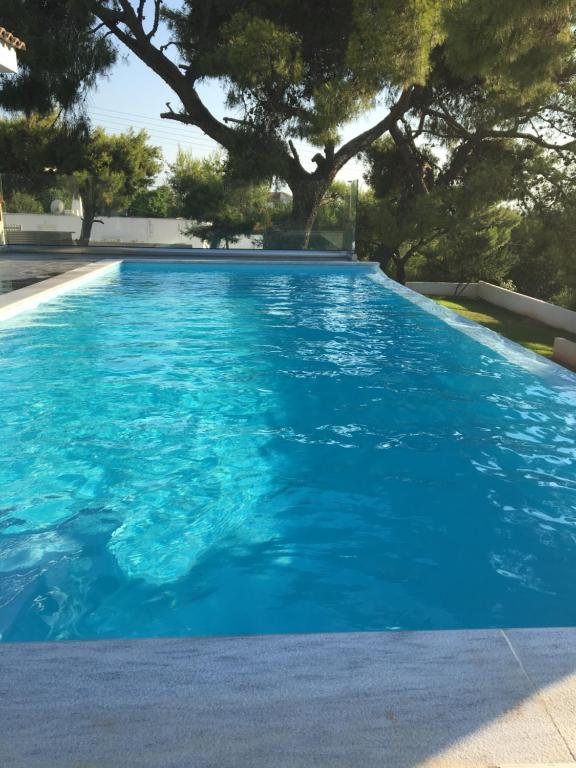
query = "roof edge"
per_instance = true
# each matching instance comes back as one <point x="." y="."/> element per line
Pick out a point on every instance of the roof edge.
<point x="12" y="40"/>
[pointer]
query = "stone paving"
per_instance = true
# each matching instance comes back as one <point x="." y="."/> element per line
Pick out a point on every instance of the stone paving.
<point x="366" y="700"/>
<point x="18" y="270"/>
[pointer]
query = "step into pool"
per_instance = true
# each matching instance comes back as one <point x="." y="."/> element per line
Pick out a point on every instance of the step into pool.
<point x="191" y="449"/>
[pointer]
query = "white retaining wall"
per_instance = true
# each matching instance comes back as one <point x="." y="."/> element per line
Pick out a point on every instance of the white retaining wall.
<point x="468" y="290"/>
<point x="557" y="317"/>
<point x="543" y="311"/>
<point x="565" y="352"/>
<point x="114" y="229"/>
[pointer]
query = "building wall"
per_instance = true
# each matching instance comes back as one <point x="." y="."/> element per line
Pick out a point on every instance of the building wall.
<point x="114" y="229"/>
<point x="8" y="60"/>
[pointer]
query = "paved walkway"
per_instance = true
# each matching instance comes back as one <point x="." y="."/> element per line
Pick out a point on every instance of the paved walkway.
<point x="392" y="700"/>
<point x="20" y="270"/>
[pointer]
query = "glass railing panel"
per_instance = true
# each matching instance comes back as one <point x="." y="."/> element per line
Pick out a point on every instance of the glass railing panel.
<point x="54" y="209"/>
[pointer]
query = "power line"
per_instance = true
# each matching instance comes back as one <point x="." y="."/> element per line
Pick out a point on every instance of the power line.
<point x="162" y="125"/>
<point x="133" y="114"/>
<point x="167" y="131"/>
<point x="162" y="137"/>
<point x="172" y="130"/>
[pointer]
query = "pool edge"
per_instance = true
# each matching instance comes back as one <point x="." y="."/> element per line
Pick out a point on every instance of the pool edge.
<point x="400" y="699"/>
<point x="25" y="299"/>
<point x="512" y="351"/>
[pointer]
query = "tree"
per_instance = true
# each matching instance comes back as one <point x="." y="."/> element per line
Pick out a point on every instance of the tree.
<point x="30" y="145"/>
<point x="220" y="210"/>
<point x="157" y="203"/>
<point x="545" y="240"/>
<point x="115" y="169"/>
<point x="23" y="202"/>
<point x="459" y="227"/>
<point x="63" y="58"/>
<point x="38" y="154"/>
<point x="481" y="69"/>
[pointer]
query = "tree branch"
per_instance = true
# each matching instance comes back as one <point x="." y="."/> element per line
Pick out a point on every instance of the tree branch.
<point x="295" y="154"/>
<point x="493" y="133"/>
<point x="137" y="41"/>
<point x="363" y="140"/>
<point x="458" y="163"/>
<point x="410" y="157"/>
<point x="156" y="22"/>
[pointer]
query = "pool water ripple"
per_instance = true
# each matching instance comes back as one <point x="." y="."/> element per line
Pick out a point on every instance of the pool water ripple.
<point x="230" y="450"/>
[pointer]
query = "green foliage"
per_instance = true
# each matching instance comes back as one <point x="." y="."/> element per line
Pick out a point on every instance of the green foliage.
<point x="537" y="271"/>
<point x="477" y="247"/>
<point x="157" y="203"/>
<point x="51" y="158"/>
<point x="37" y="143"/>
<point x="221" y="210"/>
<point x="300" y="69"/>
<point x="23" y="202"/>
<point x="42" y="149"/>
<point x="392" y="42"/>
<point x="115" y="168"/>
<point x="448" y="231"/>
<point x="337" y="210"/>
<point x="277" y="63"/>
<point x="546" y="245"/>
<point x="63" y="58"/>
<point x="519" y="49"/>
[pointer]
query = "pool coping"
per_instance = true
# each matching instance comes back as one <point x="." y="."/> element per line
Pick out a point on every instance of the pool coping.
<point x="397" y="699"/>
<point x="187" y="252"/>
<point x="24" y="299"/>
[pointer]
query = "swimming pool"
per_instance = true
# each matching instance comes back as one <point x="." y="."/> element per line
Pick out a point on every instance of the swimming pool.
<point x="233" y="449"/>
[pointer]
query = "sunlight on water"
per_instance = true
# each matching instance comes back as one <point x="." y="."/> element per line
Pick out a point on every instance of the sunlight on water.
<point x="224" y="450"/>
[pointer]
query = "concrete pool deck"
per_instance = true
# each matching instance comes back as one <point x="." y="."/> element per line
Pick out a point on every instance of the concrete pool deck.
<point x="21" y="270"/>
<point x="393" y="699"/>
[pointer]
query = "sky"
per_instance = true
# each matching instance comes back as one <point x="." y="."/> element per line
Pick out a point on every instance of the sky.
<point x="133" y="96"/>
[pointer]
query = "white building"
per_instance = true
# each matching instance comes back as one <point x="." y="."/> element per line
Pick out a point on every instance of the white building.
<point x="9" y="45"/>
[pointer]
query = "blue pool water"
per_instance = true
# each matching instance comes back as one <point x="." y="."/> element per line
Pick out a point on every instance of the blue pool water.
<point x="190" y="450"/>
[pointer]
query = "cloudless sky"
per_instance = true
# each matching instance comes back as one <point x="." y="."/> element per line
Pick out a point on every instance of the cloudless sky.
<point x="134" y="96"/>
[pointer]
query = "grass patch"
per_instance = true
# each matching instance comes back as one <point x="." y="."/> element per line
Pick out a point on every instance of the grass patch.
<point x="529" y="333"/>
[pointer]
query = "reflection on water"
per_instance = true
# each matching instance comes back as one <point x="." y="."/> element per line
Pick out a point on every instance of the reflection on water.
<point x="230" y="450"/>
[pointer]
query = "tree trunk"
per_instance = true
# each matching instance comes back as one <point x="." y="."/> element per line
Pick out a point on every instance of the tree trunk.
<point x="86" y="230"/>
<point x="400" y="271"/>
<point x="307" y="195"/>
<point x="89" y="210"/>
